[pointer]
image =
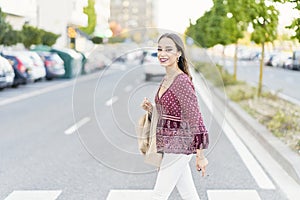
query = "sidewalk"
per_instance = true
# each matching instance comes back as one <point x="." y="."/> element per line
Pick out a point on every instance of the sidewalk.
<point x="281" y="163"/>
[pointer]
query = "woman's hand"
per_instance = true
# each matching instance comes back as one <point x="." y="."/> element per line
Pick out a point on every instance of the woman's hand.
<point x="201" y="163"/>
<point x="146" y="105"/>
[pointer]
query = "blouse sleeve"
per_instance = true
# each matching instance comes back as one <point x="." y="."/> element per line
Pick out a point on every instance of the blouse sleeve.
<point x="190" y="113"/>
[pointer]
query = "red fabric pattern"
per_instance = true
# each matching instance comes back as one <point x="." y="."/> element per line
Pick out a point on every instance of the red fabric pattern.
<point x="180" y="127"/>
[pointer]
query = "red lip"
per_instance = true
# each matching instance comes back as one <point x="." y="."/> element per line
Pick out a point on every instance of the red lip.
<point x="163" y="60"/>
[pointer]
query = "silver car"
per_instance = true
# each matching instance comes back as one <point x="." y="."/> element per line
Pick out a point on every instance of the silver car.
<point x="151" y="65"/>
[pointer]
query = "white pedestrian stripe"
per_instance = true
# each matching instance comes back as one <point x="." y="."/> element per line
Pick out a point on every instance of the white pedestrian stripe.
<point x="111" y="101"/>
<point x="233" y="195"/>
<point x="34" y="195"/>
<point x="129" y="195"/>
<point x="254" y="168"/>
<point x="76" y="126"/>
<point x="212" y="195"/>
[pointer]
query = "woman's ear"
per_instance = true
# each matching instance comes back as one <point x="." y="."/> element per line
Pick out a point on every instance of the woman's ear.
<point x="179" y="53"/>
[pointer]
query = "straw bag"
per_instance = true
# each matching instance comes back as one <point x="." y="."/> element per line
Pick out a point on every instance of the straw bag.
<point x="146" y="132"/>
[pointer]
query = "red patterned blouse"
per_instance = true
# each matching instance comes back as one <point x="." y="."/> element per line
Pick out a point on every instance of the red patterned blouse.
<point x="180" y="127"/>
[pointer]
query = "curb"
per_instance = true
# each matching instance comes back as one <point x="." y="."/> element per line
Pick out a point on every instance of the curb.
<point x="286" y="158"/>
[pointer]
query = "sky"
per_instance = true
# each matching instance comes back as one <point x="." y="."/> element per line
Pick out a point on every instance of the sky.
<point x="175" y="14"/>
<point x="171" y="14"/>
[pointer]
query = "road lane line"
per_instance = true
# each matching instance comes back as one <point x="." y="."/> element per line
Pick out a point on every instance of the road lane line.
<point x="34" y="194"/>
<point x="128" y="88"/>
<point x="35" y="93"/>
<point x="232" y="195"/>
<point x="253" y="166"/>
<point x="47" y="89"/>
<point x="111" y="101"/>
<point x="129" y="195"/>
<point x="77" y="125"/>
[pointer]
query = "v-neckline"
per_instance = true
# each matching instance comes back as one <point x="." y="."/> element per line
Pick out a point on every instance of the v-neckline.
<point x="159" y="97"/>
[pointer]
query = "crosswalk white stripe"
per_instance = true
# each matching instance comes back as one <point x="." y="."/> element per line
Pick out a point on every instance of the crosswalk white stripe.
<point x="211" y="194"/>
<point x="254" y="168"/>
<point x="129" y="195"/>
<point x="233" y="195"/>
<point x="34" y="195"/>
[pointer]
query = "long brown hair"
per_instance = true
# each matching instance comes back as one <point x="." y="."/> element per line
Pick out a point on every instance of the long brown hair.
<point x="182" y="62"/>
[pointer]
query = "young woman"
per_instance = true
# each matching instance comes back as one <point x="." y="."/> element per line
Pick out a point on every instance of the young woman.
<point x="180" y="131"/>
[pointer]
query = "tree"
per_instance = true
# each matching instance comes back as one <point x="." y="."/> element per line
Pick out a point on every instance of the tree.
<point x="238" y="10"/>
<point x="31" y="35"/>
<point x="214" y="27"/>
<point x="4" y="26"/>
<point x="295" y="25"/>
<point x="92" y="17"/>
<point x="97" y="40"/>
<point x="11" y="37"/>
<point x="224" y="24"/>
<point x="48" y="38"/>
<point x="264" y="22"/>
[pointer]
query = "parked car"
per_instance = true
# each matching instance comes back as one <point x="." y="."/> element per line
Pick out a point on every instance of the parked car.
<point x="38" y="71"/>
<point x="95" y="62"/>
<point x="151" y="65"/>
<point x="288" y="63"/>
<point x="33" y="64"/>
<point x="279" y="59"/>
<point x="54" y="65"/>
<point x="296" y="60"/>
<point x="20" y="71"/>
<point x="6" y="73"/>
<point x="269" y="61"/>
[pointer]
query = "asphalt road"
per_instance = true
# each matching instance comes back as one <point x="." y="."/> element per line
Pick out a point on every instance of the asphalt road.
<point x="284" y="81"/>
<point x="77" y="138"/>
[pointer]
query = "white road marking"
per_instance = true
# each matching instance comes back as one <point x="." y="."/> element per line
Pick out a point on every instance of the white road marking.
<point x="77" y="125"/>
<point x="34" y="93"/>
<point x="204" y="91"/>
<point x="233" y="195"/>
<point x="212" y="195"/>
<point x="34" y="195"/>
<point x="128" y="88"/>
<point x="48" y="89"/>
<point x="254" y="168"/>
<point x="129" y="195"/>
<point x="111" y="101"/>
<point x="251" y="163"/>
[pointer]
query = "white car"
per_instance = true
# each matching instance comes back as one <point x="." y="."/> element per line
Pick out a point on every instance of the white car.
<point x="6" y="73"/>
<point x="32" y="62"/>
<point x="151" y="65"/>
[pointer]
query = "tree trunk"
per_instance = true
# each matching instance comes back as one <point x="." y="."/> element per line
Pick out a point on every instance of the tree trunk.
<point x="235" y="61"/>
<point x="261" y="69"/>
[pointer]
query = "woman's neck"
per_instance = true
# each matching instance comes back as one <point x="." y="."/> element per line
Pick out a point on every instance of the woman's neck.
<point x="172" y="71"/>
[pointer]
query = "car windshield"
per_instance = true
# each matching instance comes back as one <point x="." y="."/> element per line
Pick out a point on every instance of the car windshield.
<point x="154" y="54"/>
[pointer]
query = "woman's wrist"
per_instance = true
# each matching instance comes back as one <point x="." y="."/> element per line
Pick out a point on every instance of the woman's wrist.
<point x="201" y="157"/>
<point x="200" y="154"/>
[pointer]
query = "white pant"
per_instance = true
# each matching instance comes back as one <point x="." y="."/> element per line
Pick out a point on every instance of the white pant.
<point x="175" y="171"/>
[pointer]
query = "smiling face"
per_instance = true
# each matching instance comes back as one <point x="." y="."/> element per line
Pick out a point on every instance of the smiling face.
<point x="167" y="52"/>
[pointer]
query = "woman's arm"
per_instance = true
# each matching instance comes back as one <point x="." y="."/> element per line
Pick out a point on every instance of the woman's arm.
<point x="190" y="112"/>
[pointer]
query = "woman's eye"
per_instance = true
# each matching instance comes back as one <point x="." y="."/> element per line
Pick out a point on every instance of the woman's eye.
<point x="168" y="50"/>
<point x="159" y="49"/>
